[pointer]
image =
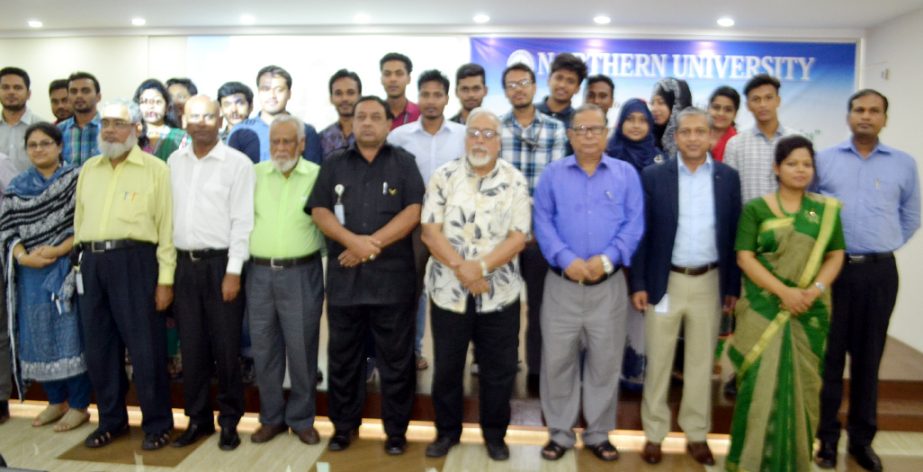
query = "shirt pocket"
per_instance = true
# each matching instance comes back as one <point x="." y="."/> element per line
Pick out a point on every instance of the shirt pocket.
<point x="607" y="205"/>
<point x="887" y="192"/>
<point x="130" y="207"/>
<point x="390" y="202"/>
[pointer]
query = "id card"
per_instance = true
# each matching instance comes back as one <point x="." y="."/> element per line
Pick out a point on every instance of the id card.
<point x="340" y="213"/>
<point x="78" y="280"/>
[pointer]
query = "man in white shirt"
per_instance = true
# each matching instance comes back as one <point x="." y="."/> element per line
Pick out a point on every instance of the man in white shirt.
<point x="213" y="217"/>
<point x="16" y="117"/>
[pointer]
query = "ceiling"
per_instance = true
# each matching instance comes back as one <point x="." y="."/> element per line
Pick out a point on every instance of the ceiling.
<point x="76" y="16"/>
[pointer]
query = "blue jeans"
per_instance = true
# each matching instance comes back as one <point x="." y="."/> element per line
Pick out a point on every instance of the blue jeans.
<point x="74" y="390"/>
<point x="421" y="325"/>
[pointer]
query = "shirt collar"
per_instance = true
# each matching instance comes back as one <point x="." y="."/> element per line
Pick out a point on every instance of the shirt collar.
<point x="780" y="131"/>
<point x="544" y="108"/>
<point x="707" y="166"/>
<point x="135" y="156"/>
<point x="848" y="145"/>
<point x="470" y="170"/>
<point x="571" y="161"/>
<point x="216" y="152"/>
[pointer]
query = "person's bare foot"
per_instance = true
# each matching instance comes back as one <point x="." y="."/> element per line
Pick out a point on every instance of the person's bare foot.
<point x="51" y="413"/>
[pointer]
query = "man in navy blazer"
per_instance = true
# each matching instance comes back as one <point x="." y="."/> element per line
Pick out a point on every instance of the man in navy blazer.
<point x="685" y="273"/>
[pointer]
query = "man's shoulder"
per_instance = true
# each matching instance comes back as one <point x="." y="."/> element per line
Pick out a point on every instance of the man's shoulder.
<point x="66" y="124"/>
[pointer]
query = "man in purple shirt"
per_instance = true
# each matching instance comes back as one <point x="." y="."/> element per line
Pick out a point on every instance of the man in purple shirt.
<point x="588" y="220"/>
<point x="345" y="89"/>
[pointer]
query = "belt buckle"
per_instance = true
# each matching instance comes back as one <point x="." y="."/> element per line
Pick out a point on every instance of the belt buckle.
<point x="273" y="266"/>
<point x="192" y="257"/>
<point x="858" y="258"/>
<point x="96" y="247"/>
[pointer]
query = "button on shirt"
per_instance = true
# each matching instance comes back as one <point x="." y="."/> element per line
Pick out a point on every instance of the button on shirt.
<point x="80" y="144"/>
<point x="12" y="140"/>
<point x="532" y="148"/>
<point x="695" y="244"/>
<point x="373" y="194"/>
<point x="477" y="214"/>
<point x="251" y="137"/>
<point x="430" y="150"/>
<point x="880" y="195"/>
<point x="281" y="228"/>
<point x="213" y="202"/>
<point x="131" y="201"/>
<point x="752" y="154"/>
<point x="580" y="216"/>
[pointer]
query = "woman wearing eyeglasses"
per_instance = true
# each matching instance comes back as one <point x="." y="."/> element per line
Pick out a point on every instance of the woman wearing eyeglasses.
<point x="37" y="233"/>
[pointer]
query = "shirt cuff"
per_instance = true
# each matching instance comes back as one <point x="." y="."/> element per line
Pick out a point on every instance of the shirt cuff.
<point x="565" y="258"/>
<point x="235" y="265"/>
<point x="615" y="257"/>
<point x="165" y="276"/>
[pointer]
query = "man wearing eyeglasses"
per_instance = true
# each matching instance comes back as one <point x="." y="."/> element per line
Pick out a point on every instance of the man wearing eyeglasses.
<point x="530" y="141"/>
<point x="588" y="219"/>
<point x="213" y="210"/>
<point x="123" y="228"/>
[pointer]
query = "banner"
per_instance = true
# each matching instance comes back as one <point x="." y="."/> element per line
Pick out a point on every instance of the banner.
<point x="817" y="78"/>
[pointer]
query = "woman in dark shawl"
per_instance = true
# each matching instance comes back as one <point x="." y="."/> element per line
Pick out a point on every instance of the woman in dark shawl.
<point x="670" y="97"/>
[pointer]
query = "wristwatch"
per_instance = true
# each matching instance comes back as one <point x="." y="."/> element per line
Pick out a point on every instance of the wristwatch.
<point x="820" y="286"/>
<point x="484" y="271"/>
<point x="607" y="264"/>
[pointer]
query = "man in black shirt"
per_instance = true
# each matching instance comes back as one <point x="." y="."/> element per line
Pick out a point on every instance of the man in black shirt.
<point x="367" y="200"/>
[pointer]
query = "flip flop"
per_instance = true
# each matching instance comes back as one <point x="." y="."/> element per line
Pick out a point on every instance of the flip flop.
<point x="604" y="451"/>
<point x="553" y="451"/>
<point x="50" y="414"/>
<point x="72" y="419"/>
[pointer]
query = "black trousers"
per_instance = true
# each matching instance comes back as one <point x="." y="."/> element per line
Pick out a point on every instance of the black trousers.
<point x="117" y="311"/>
<point x="496" y="342"/>
<point x="534" y="268"/>
<point x="392" y="326"/>
<point x="209" y="335"/>
<point x="863" y="298"/>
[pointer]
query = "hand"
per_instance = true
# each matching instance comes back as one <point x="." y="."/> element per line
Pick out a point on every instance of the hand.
<point x="479" y="287"/>
<point x="809" y="295"/>
<point x="578" y="271"/>
<point x="35" y="261"/>
<point x="639" y="300"/>
<point x="468" y="272"/>
<point x="163" y="297"/>
<point x="49" y="252"/>
<point x="230" y="287"/>
<point x="793" y="300"/>
<point x="348" y="259"/>
<point x="730" y="302"/>
<point x="595" y="266"/>
<point x="364" y="247"/>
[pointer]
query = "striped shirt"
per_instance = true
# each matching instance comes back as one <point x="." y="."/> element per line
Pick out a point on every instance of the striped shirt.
<point x="752" y="153"/>
<point x="80" y="144"/>
<point x="531" y="148"/>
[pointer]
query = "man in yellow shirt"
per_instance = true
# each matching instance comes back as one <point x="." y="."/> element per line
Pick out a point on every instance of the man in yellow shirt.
<point x="123" y="226"/>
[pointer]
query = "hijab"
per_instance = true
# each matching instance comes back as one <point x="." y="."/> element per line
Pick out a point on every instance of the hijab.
<point x="639" y="154"/>
<point x="676" y="94"/>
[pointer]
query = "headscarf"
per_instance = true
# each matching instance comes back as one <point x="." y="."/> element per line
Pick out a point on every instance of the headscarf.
<point x="639" y="154"/>
<point x="676" y="94"/>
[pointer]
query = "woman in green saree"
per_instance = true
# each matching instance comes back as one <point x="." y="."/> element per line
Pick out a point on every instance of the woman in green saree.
<point x="790" y="248"/>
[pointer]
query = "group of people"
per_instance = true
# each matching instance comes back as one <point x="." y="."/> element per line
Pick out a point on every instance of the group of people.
<point x="620" y="241"/>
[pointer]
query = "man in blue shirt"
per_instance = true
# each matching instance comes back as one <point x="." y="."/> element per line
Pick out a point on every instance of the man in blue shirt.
<point x="880" y="191"/>
<point x="685" y="274"/>
<point x="588" y="220"/>
<point x="251" y="137"/>
<point x="81" y="131"/>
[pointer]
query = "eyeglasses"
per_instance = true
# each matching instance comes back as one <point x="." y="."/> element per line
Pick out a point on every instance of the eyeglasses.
<point x="153" y="101"/>
<point x="109" y="123"/>
<point x="32" y="146"/>
<point x="591" y="130"/>
<point x="518" y="84"/>
<point x="477" y="133"/>
<point x="204" y="118"/>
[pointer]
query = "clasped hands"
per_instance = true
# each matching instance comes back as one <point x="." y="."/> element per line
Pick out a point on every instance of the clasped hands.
<point x="797" y="300"/>
<point x="471" y="276"/>
<point x="360" y="249"/>
<point x="583" y="271"/>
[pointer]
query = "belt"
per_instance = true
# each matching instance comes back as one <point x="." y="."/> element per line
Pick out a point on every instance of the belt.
<point x="693" y="271"/>
<point x="870" y="257"/>
<point x="279" y="263"/>
<point x="199" y="254"/>
<point x="564" y="276"/>
<point x="112" y="244"/>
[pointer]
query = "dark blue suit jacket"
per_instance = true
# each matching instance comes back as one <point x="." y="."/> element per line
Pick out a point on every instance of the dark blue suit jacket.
<point x="650" y="266"/>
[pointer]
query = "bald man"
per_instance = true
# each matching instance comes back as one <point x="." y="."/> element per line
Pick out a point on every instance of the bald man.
<point x="213" y="217"/>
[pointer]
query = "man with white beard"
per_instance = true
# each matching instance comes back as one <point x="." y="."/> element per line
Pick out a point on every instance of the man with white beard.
<point x="123" y="228"/>
<point x="285" y="285"/>
<point x="476" y="217"/>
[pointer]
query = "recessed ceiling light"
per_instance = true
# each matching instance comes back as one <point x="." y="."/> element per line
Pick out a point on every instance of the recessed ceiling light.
<point x="481" y="18"/>
<point x="725" y="22"/>
<point x="35" y="24"/>
<point x="247" y="19"/>
<point x="138" y="21"/>
<point x="602" y="20"/>
<point x="362" y="18"/>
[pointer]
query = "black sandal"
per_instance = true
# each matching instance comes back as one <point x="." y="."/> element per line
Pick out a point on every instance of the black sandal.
<point x="100" y="438"/>
<point x="604" y="451"/>
<point x="152" y="442"/>
<point x="553" y="451"/>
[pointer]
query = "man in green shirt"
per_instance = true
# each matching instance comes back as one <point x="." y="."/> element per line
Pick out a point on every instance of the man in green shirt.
<point x="285" y="285"/>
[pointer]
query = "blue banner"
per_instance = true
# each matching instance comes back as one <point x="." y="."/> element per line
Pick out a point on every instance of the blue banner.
<point x="817" y="78"/>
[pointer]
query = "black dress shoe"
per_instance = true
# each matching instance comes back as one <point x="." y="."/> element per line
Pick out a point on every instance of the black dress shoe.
<point x="229" y="439"/>
<point x="193" y="433"/>
<point x="395" y="445"/>
<point x="866" y="457"/>
<point x="498" y="451"/>
<point x="826" y="455"/>
<point x="440" y="446"/>
<point x="340" y="440"/>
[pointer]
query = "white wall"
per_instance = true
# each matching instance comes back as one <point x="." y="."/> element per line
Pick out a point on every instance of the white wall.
<point x="894" y="66"/>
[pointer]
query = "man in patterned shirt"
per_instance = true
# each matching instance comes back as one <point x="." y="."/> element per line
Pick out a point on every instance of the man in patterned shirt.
<point x="475" y="222"/>
<point x="345" y="89"/>
<point x="530" y="141"/>
<point x="81" y="131"/>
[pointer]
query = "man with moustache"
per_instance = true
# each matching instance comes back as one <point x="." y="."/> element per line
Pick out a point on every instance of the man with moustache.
<point x="236" y="102"/>
<point x="367" y="201"/>
<point x="345" y="89"/>
<point x="530" y="140"/>
<point x="274" y="89"/>
<point x="285" y="286"/>
<point x="123" y="227"/>
<point x="81" y="130"/>
<point x="470" y="88"/>
<point x="395" y="76"/>
<point x="213" y="210"/>
<point x="61" y="106"/>
<point x="567" y="73"/>
<point x="16" y="116"/>
<point x="475" y="222"/>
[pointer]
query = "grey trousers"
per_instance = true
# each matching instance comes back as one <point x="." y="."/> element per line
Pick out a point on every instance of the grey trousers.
<point x="598" y="315"/>
<point x="6" y="373"/>
<point x="285" y="309"/>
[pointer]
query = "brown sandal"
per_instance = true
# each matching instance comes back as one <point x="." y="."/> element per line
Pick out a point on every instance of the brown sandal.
<point x="553" y="451"/>
<point x="71" y="420"/>
<point x="51" y="413"/>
